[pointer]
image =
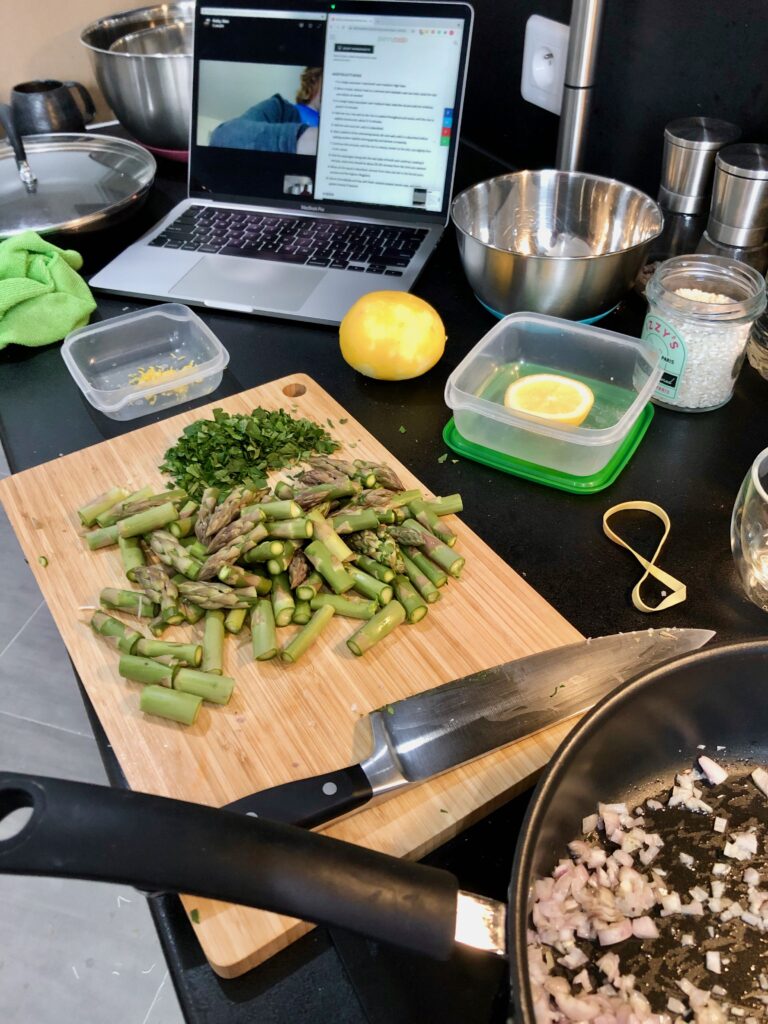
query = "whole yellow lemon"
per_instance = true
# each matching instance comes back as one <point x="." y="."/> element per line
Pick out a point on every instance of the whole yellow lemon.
<point x="391" y="336"/>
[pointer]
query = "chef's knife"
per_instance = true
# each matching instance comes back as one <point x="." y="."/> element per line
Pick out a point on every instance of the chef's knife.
<point x="431" y="732"/>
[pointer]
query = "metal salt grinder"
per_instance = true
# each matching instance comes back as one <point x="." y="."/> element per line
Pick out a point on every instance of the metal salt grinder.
<point x="738" y="217"/>
<point x="691" y="145"/>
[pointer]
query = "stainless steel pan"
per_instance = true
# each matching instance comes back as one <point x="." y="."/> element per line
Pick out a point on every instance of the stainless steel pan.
<point x="628" y="747"/>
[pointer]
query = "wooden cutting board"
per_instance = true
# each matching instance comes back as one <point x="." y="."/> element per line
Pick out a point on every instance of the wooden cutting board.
<point x="283" y="722"/>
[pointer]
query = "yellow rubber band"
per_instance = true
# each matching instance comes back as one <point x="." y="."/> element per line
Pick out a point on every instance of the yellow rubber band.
<point x="678" y="590"/>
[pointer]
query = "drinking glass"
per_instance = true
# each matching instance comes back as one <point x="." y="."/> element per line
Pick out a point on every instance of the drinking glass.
<point x="749" y="531"/>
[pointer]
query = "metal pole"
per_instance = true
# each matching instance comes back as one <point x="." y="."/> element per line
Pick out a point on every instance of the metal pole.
<point x="586" y="18"/>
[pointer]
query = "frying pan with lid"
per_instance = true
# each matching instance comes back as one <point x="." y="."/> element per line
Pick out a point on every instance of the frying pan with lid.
<point x="628" y="748"/>
<point x="69" y="182"/>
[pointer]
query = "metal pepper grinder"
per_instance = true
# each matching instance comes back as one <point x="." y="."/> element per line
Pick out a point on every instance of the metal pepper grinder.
<point x="738" y="219"/>
<point x="691" y="145"/>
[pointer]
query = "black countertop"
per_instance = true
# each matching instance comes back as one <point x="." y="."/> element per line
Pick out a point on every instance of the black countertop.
<point x="692" y="465"/>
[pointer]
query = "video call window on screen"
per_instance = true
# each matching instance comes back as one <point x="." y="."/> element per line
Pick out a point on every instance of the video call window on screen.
<point x="283" y="117"/>
<point x="350" y="107"/>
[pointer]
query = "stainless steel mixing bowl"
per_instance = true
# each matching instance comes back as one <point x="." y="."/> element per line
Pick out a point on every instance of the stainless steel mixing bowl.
<point x="558" y="242"/>
<point x="147" y="83"/>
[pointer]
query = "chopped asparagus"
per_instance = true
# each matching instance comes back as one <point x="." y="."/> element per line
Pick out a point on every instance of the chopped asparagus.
<point x="102" y="538"/>
<point x="236" y="576"/>
<point x="349" y="607"/>
<point x="213" y="595"/>
<point x="183" y="527"/>
<point x="451" y="504"/>
<point x="285" y="509"/>
<point x="146" y="522"/>
<point x="308" y="634"/>
<point x="89" y="512"/>
<point x="210" y="686"/>
<point x="207" y="505"/>
<point x="421" y="581"/>
<point x="434" y="549"/>
<point x="430" y="521"/>
<point x="299" y="568"/>
<point x="383" y="573"/>
<point x="325" y="532"/>
<point x="213" y="642"/>
<point x="131" y="554"/>
<point x="283" y="491"/>
<point x="111" y="515"/>
<point x="124" y="636"/>
<point x="235" y="620"/>
<point x="283" y="603"/>
<point x="351" y="522"/>
<point x="192" y="654"/>
<point x="382" y="623"/>
<point x="172" y="704"/>
<point x="128" y="601"/>
<point x="309" y="497"/>
<point x="369" y="586"/>
<point x="410" y="599"/>
<point x="329" y="567"/>
<point x="433" y="572"/>
<point x="145" y="670"/>
<point x="302" y="613"/>
<point x="310" y="587"/>
<point x="290" y="529"/>
<point x="282" y="561"/>
<point x="139" y="501"/>
<point x="264" y="551"/>
<point x="263" y="635"/>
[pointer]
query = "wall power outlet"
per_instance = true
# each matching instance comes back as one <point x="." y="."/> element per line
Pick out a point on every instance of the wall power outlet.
<point x="544" y="58"/>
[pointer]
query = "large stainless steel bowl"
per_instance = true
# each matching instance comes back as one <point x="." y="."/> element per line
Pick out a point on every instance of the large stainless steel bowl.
<point x="558" y="242"/>
<point x="148" y="84"/>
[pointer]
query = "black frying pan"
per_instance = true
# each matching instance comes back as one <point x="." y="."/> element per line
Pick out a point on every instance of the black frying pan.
<point x="627" y="748"/>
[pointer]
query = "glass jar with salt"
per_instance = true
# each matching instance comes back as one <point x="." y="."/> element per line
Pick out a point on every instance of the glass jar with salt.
<point x="700" y="312"/>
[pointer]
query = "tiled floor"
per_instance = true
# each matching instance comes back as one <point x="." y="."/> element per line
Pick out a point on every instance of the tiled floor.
<point x="69" y="951"/>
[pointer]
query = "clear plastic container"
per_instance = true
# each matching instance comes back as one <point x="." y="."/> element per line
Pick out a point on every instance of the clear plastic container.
<point x="622" y="373"/>
<point x="145" y="361"/>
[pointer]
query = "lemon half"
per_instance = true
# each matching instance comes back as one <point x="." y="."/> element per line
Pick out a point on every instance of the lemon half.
<point x="551" y="397"/>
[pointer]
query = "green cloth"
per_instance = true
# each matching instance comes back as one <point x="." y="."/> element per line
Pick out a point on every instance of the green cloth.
<point x="42" y="297"/>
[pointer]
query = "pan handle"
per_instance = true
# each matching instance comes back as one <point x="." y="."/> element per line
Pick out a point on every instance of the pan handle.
<point x="77" y="830"/>
<point x="26" y="173"/>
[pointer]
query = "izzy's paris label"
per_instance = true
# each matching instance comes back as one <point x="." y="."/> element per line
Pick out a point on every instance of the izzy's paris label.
<point x="671" y="347"/>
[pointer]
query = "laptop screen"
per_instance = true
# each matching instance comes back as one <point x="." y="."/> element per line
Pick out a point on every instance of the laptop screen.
<point x="347" y="105"/>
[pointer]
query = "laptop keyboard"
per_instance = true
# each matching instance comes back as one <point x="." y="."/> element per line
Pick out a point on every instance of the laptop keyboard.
<point x="341" y="245"/>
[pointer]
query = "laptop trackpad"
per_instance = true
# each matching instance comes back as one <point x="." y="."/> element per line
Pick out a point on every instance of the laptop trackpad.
<point x="262" y="284"/>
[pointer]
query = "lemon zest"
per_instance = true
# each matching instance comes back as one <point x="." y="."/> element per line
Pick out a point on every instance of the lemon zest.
<point x="149" y="376"/>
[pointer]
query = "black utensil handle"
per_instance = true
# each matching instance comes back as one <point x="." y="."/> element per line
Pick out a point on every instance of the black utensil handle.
<point x="14" y="138"/>
<point x="309" y="802"/>
<point x="85" y="96"/>
<point x="78" y="830"/>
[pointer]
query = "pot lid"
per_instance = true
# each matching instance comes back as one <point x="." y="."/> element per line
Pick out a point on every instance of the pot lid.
<point x="703" y="133"/>
<point x="82" y="181"/>
<point x="747" y="160"/>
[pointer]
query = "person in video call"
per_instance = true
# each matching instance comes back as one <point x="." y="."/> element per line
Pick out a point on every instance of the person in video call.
<point x="275" y="124"/>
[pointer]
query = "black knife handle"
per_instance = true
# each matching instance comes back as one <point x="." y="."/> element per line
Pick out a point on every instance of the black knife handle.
<point x="78" y="830"/>
<point x="309" y="802"/>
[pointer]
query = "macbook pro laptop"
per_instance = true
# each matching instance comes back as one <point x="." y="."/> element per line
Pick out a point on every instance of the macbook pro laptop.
<point x="321" y="158"/>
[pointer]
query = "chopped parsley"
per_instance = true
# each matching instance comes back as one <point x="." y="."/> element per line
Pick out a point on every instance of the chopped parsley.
<point x="235" y="448"/>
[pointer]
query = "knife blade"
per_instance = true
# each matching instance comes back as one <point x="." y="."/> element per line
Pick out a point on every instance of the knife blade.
<point x="439" y="729"/>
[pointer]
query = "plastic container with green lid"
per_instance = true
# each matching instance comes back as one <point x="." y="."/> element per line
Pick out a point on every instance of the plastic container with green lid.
<point x="622" y="373"/>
